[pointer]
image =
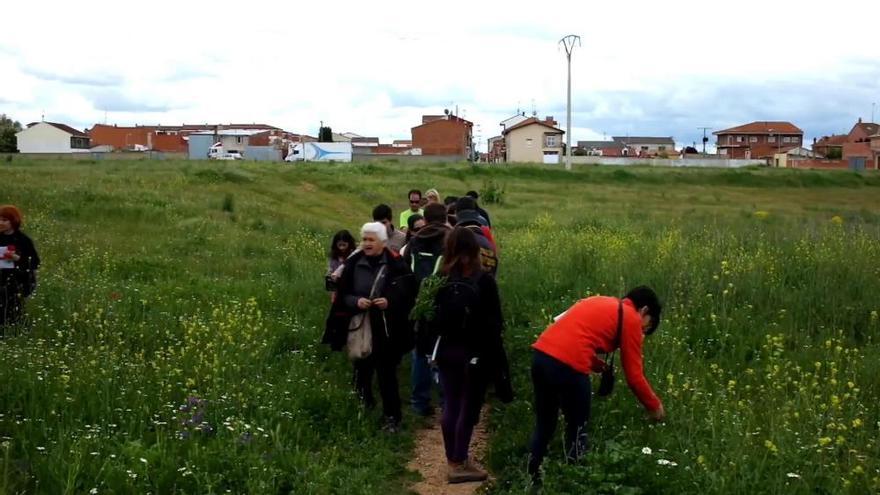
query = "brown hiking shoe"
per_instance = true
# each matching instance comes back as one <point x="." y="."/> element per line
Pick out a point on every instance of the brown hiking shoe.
<point x="465" y="472"/>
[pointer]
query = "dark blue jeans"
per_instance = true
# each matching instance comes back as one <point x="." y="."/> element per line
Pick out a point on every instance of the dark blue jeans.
<point x="423" y="383"/>
<point x="558" y="386"/>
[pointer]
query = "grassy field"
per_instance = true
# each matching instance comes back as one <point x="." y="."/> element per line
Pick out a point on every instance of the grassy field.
<point x="173" y="339"/>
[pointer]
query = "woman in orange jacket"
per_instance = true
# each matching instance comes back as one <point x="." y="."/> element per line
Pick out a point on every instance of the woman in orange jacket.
<point x="566" y="353"/>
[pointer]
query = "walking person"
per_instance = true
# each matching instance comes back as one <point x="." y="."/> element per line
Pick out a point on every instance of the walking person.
<point x="567" y="352"/>
<point x="424" y="255"/>
<point x="468" y="349"/>
<point x="483" y="213"/>
<point x="432" y="195"/>
<point x="396" y="238"/>
<point x="415" y="208"/>
<point x="378" y="287"/>
<point x="467" y="216"/>
<point x="19" y="262"/>
<point x="341" y="247"/>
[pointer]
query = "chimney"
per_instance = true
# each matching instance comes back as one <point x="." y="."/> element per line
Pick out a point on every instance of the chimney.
<point x="860" y="120"/>
<point x="814" y="140"/>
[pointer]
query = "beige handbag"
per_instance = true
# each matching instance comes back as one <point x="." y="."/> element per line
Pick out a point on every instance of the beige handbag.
<point x="359" y="343"/>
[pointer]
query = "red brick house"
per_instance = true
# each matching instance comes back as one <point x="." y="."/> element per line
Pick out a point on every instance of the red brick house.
<point x="443" y="135"/>
<point x="856" y="144"/>
<point x="758" y="140"/>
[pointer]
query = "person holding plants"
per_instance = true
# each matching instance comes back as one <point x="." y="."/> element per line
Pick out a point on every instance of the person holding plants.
<point x="468" y="348"/>
<point x="19" y="262"/>
<point x="375" y="293"/>
<point x="567" y="352"/>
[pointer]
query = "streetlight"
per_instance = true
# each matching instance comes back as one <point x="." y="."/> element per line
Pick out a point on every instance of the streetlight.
<point x="568" y="42"/>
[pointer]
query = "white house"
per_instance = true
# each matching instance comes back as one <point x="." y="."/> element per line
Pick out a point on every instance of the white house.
<point x="50" y="137"/>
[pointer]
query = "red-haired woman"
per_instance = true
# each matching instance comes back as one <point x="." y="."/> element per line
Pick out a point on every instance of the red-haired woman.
<point x="18" y="266"/>
<point x="468" y="350"/>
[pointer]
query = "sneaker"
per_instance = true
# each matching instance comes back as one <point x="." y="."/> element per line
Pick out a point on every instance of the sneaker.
<point x="465" y="472"/>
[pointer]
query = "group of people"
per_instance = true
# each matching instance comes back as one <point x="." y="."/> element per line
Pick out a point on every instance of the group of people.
<point x="378" y="281"/>
<point x="19" y="262"/>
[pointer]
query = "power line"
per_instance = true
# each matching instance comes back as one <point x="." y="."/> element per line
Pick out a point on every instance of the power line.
<point x="568" y="42"/>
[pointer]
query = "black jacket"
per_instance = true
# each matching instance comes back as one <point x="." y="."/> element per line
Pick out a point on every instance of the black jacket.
<point x="483" y="337"/>
<point x="432" y="238"/>
<point x="24" y="276"/>
<point x="392" y="330"/>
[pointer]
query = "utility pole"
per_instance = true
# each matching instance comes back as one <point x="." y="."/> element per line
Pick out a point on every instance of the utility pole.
<point x="705" y="139"/>
<point x="568" y="42"/>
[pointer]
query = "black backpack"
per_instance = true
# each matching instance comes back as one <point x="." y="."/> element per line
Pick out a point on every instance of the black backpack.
<point x="425" y="262"/>
<point x="456" y="305"/>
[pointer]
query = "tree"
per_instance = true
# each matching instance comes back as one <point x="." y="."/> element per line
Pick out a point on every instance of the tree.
<point x="8" y="128"/>
<point x="834" y="154"/>
<point x="325" y="135"/>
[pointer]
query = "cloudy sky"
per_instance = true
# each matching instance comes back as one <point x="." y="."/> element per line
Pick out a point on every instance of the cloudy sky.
<point x="644" y="67"/>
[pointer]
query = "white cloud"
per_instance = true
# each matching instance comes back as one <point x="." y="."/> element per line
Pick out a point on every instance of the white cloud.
<point x="375" y="67"/>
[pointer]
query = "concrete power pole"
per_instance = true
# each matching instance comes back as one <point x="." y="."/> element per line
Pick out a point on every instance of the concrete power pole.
<point x="705" y="139"/>
<point x="568" y="42"/>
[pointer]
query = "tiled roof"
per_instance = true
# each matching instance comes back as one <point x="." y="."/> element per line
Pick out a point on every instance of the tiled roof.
<point x="64" y="127"/>
<point x="763" y="128"/>
<point x="530" y="121"/>
<point x="644" y="140"/>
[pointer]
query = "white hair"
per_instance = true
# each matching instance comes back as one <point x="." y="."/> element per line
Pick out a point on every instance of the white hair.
<point x="376" y="228"/>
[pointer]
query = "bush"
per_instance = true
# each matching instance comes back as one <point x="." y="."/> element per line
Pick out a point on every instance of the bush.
<point x="492" y="193"/>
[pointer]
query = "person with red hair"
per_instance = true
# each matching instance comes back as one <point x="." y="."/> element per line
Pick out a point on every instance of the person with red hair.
<point x="18" y="266"/>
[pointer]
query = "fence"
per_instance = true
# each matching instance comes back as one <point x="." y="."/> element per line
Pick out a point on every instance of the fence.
<point x="665" y="162"/>
<point x="99" y="155"/>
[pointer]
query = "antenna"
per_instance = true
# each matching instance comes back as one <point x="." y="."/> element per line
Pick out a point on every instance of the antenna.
<point x="568" y="42"/>
<point x="705" y="139"/>
<point x="873" y="106"/>
<point x="534" y="109"/>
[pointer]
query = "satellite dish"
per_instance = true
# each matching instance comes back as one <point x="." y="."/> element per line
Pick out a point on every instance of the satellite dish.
<point x="446" y="111"/>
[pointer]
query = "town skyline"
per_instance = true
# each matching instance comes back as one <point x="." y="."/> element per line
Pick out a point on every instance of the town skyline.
<point x="654" y="71"/>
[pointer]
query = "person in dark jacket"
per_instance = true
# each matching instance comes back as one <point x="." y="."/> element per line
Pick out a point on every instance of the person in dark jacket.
<point x="423" y="255"/>
<point x="388" y="307"/>
<point x="469" y="357"/>
<point x="483" y="213"/>
<point x="19" y="262"/>
<point x="468" y="216"/>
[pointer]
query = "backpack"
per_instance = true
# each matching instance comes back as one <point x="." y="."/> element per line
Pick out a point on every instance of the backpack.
<point x="425" y="262"/>
<point x="456" y="304"/>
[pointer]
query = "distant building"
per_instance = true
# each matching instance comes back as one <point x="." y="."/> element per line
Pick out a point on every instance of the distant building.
<point x="158" y="137"/>
<point x="52" y="137"/>
<point x="534" y="141"/>
<point x="443" y="135"/>
<point x="603" y="148"/>
<point x="199" y="143"/>
<point x="758" y="140"/>
<point x="497" y="152"/>
<point x="648" y="146"/>
<point x="856" y="146"/>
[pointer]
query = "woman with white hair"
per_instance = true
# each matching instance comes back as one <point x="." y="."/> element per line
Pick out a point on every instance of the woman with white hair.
<point x="377" y="284"/>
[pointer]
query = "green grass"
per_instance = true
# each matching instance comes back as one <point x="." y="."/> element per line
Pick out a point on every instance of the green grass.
<point x="173" y="342"/>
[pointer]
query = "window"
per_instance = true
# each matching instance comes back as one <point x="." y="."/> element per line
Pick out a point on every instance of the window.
<point x="238" y="139"/>
<point x="786" y="139"/>
<point x="661" y="148"/>
<point x="550" y="140"/>
<point x="753" y="139"/>
<point x="729" y="139"/>
<point x="529" y="143"/>
<point x="739" y="139"/>
<point x="771" y="139"/>
<point x="795" y="139"/>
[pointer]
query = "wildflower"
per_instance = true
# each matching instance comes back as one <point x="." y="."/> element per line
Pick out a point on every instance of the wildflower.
<point x="771" y="446"/>
<point x="143" y="460"/>
<point x="93" y="491"/>
<point x="858" y="470"/>
<point x="701" y="460"/>
<point x="824" y="441"/>
<point x="646" y="450"/>
<point x="793" y="475"/>
<point x="665" y="462"/>
<point x="837" y="220"/>
<point x="761" y="214"/>
<point x="856" y="423"/>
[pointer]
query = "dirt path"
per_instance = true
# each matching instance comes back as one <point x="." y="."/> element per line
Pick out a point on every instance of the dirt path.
<point x="430" y="460"/>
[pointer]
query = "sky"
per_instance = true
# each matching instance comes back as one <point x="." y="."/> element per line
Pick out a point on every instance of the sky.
<point x="643" y="68"/>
